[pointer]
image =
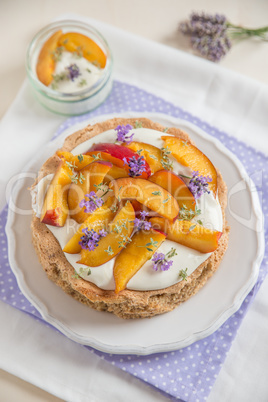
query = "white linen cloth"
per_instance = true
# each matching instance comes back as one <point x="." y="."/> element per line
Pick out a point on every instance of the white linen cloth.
<point x="233" y="103"/>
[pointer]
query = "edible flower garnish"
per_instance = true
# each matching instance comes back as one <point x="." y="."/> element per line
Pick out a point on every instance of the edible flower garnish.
<point x="93" y="202"/>
<point x="122" y="132"/>
<point x="90" y="239"/>
<point x="136" y="165"/>
<point x="73" y="71"/>
<point x="142" y="224"/>
<point x="161" y="262"/>
<point x="198" y="184"/>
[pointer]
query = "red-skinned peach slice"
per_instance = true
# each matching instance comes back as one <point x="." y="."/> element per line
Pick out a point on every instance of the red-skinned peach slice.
<point x="99" y="219"/>
<point x="151" y="154"/>
<point x="147" y="193"/>
<point x="175" y="186"/>
<point x="81" y="44"/>
<point x="46" y="64"/>
<point x="92" y="175"/>
<point x="118" y="152"/>
<point x="189" y="234"/>
<point x="120" y="230"/>
<point x="55" y="208"/>
<point x="134" y="256"/>
<point x="188" y="155"/>
<point x="78" y="161"/>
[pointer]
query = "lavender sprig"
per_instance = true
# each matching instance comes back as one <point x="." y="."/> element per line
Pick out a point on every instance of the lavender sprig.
<point x="141" y="223"/>
<point x="92" y="204"/>
<point x="136" y="165"/>
<point x="198" y="184"/>
<point x="73" y="71"/>
<point x="90" y="239"/>
<point x="161" y="262"/>
<point x="122" y="132"/>
<point x="211" y="34"/>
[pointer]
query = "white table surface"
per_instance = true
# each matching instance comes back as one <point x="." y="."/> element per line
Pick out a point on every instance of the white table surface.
<point x="156" y="20"/>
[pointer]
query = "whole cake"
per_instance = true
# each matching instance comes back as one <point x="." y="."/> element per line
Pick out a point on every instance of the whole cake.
<point x="129" y="217"/>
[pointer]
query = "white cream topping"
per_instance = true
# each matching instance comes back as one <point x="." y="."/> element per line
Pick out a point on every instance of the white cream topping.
<point x="38" y="194"/>
<point x="89" y="74"/>
<point x="146" y="278"/>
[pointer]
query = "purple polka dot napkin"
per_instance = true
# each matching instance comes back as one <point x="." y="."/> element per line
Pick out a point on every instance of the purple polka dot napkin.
<point x="187" y="374"/>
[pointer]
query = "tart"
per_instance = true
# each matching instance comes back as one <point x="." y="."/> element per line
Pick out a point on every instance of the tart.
<point x="133" y="218"/>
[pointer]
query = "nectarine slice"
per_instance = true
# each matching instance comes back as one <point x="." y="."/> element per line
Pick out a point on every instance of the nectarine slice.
<point x="175" y="186"/>
<point x="147" y="193"/>
<point x="120" y="230"/>
<point x="99" y="219"/>
<point x="92" y="175"/>
<point x="117" y="154"/>
<point x="151" y="154"/>
<point x="77" y="161"/>
<point x="189" y="234"/>
<point x="134" y="256"/>
<point x="46" y="63"/>
<point x="55" y="208"/>
<point x="188" y="155"/>
<point x="82" y="44"/>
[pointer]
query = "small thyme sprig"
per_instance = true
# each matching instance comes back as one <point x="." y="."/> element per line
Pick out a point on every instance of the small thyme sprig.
<point x="188" y="214"/>
<point x="161" y="262"/>
<point x="166" y="162"/>
<point x="80" y="158"/>
<point x="183" y="274"/>
<point x="77" y="177"/>
<point x="152" y="243"/>
<point x="109" y="250"/>
<point x="138" y="124"/>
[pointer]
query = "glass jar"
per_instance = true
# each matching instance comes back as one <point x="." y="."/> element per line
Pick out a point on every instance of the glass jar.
<point x="81" y="100"/>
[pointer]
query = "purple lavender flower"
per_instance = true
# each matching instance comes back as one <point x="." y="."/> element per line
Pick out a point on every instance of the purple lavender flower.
<point x="92" y="204"/>
<point x="208" y="34"/>
<point x="122" y="132"/>
<point x="73" y="71"/>
<point x="136" y="165"/>
<point x="198" y="184"/>
<point x="90" y="239"/>
<point x="142" y="224"/>
<point x="161" y="262"/>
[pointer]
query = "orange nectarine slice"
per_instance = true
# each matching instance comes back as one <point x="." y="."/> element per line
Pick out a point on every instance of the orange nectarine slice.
<point x="115" y="173"/>
<point x="46" y="64"/>
<point x="83" y="45"/>
<point x="151" y="154"/>
<point x="92" y="175"/>
<point x="188" y="155"/>
<point x="189" y="234"/>
<point x="55" y="208"/>
<point x="175" y="186"/>
<point x="99" y="219"/>
<point x="77" y="161"/>
<point x="147" y="193"/>
<point x="120" y="231"/>
<point x="134" y="255"/>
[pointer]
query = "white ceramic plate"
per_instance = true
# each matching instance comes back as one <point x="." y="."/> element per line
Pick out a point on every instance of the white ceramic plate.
<point x="195" y="319"/>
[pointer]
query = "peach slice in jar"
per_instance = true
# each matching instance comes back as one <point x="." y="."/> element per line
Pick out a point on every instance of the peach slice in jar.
<point x="151" y="154"/>
<point x="189" y="234"/>
<point x="120" y="230"/>
<point x="147" y="193"/>
<point x="55" y="207"/>
<point x="175" y="186"/>
<point x="188" y="155"/>
<point x="135" y="255"/>
<point x="88" y="179"/>
<point x="83" y="46"/>
<point x="46" y="60"/>
<point x="99" y="219"/>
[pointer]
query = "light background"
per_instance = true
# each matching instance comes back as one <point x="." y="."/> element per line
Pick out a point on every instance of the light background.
<point x="153" y="19"/>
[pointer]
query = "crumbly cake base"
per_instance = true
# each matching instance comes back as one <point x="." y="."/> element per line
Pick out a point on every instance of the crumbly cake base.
<point x="128" y="303"/>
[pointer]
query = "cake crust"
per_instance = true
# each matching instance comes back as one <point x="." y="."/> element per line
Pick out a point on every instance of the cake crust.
<point x="128" y="303"/>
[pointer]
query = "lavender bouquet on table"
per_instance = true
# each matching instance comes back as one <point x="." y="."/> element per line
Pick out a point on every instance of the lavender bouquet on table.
<point x="211" y="35"/>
